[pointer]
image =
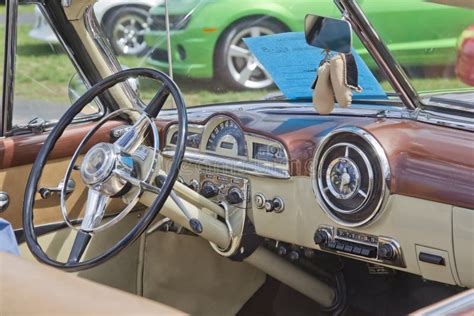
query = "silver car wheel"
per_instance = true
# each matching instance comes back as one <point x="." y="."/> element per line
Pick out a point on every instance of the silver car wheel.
<point x="242" y="64"/>
<point x="129" y="34"/>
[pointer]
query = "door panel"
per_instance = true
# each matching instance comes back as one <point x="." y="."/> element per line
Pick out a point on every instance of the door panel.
<point x="16" y="157"/>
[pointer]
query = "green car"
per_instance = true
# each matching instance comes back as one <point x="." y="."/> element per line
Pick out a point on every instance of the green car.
<point x="207" y="35"/>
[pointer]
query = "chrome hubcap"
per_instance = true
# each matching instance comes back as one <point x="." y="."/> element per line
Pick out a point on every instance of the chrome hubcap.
<point x="242" y="64"/>
<point x="129" y="34"/>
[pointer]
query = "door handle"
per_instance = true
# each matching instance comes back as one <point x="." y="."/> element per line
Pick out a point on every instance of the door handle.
<point x="47" y="192"/>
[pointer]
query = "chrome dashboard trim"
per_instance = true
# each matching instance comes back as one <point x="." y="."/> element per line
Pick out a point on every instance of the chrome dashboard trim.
<point x="231" y="164"/>
<point x="385" y="169"/>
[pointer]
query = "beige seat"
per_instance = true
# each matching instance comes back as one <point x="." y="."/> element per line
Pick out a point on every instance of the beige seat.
<point x="30" y="288"/>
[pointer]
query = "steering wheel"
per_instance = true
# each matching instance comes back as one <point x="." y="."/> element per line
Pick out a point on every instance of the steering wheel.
<point x="123" y="169"/>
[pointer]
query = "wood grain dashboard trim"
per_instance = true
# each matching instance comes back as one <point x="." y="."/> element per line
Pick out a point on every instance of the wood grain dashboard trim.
<point x="426" y="161"/>
<point x="23" y="149"/>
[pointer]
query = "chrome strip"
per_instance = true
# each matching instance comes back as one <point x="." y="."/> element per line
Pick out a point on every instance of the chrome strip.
<point x="379" y="51"/>
<point x="168" y="39"/>
<point x="385" y="168"/>
<point x="95" y="31"/>
<point x="9" y="66"/>
<point x="443" y="119"/>
<point x="231" y="165"/>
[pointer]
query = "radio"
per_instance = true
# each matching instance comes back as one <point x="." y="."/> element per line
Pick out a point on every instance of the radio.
<point x="359" y="245"/>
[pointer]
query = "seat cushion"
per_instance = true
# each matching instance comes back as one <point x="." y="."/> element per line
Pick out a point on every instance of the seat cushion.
<point x="31" y="288"/>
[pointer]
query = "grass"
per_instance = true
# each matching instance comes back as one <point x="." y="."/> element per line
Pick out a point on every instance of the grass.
<point x="21" y="9"/>
<point x="43" y="71"/>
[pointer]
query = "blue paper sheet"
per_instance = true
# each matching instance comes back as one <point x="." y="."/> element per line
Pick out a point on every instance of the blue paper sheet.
<point x="7" y="238"/>
<point x="292" y="64"/>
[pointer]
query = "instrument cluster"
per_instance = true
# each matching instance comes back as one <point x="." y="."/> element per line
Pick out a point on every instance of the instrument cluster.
<point x="223" y="143"/>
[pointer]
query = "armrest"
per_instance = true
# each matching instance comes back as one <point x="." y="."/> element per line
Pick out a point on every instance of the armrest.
<point x="31" y="288"/>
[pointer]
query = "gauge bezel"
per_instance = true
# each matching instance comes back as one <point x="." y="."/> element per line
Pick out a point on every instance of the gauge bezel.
<point x="382" y="164"/>
<point x="212" y="126"/>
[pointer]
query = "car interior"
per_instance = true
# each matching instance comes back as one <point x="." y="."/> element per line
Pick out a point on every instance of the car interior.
<point x="130" y="201"/>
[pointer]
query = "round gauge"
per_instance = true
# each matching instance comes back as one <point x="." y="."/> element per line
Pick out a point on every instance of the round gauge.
<point x="227" y="138"/>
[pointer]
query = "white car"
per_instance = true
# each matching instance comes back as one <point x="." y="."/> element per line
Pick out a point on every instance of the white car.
<point x="124" y="21"/>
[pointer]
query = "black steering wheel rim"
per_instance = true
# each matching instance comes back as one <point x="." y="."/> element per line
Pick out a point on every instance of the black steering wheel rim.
<point x="169" y="87"/>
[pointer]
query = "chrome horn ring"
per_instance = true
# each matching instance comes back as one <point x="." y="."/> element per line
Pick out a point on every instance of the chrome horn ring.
<point x="108" y="172"/>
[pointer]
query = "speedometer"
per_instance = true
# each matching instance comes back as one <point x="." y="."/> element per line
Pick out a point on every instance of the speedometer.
<point x="227" y="138"/>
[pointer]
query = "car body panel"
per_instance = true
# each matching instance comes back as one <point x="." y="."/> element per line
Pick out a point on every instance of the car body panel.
<point x="396" y="20"/>
<point x="43" y="32"/>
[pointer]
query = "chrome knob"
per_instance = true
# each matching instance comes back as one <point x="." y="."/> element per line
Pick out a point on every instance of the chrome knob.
<point x="387" y="252"/>
<point x="259" y="200"/>
<point x="276" y="205"/>
<point x="4" y="201"/>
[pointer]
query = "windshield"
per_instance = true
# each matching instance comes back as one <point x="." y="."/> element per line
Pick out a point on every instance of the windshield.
<point x="213" y="60"/>
<point x="210" y="56"/>
<point x="433" y="41"/>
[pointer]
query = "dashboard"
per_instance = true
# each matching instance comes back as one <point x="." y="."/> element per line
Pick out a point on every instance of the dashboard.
<point x="355" y="186"/>
<point x="221" y="142"/>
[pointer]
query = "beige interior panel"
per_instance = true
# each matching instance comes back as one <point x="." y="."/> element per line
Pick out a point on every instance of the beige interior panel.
<point x="408" y="220"/>
<point x="13" y="182"/>
<point x="429" y="271"/>
<point x="463" y="234"/>
<point x="120" y="272"/>
<point x="184" y="272"/>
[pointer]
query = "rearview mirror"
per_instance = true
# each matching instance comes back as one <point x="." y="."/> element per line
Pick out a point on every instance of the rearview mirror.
<point x="328" y="33"/>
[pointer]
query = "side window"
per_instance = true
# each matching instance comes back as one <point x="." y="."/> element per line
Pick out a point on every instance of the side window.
<point x="43" y="72"/>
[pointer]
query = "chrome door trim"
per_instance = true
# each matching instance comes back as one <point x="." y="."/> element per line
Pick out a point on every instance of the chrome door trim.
<point x="379" y="51"/>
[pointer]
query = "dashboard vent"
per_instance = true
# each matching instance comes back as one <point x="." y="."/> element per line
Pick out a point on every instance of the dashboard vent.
<point x="350" y="175"/>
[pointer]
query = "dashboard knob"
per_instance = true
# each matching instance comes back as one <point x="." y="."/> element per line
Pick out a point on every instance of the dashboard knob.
<point x="235" y="196"/>
<point x="276" y="205"/>
<point x="260" y="200"/>
<point x="387" y="252"/>
<point x="194" y="185"/>
<point x="209" y="190"/>
<point x="282" y="251"/>
<point x="321" y="237"/>
<point x="294" y="255"/>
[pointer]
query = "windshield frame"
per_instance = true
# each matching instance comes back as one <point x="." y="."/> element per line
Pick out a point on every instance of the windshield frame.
<point x="379" y="51"/>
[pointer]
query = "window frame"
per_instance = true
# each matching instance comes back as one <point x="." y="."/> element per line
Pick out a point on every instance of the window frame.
<point x="6" y="111"/>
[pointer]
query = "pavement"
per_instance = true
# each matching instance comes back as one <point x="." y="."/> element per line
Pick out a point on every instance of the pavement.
<point x="25" y="110"/>
<point x="23" y="18"/>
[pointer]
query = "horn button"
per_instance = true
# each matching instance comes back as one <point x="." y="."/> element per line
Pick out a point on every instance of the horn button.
<point x="98" y="165"/>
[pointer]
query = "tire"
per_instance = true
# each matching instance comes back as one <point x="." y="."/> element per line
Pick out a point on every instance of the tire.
<point x="118" y="26"/>
<point x="235" y="66"/>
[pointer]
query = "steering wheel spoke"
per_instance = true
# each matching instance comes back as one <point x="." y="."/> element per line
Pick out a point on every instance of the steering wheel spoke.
<point x="95" y="210"/>
<point x="134" y="136"/>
